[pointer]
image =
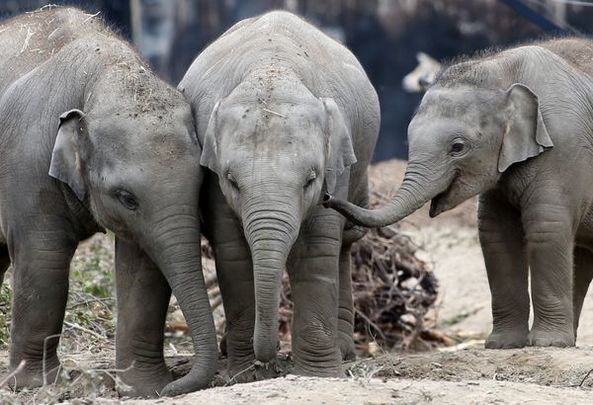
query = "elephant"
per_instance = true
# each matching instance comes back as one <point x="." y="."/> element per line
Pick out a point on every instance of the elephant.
<point x="91" y="139"/>
<point x="514" y="127"/>
<point x="283" y="112"/>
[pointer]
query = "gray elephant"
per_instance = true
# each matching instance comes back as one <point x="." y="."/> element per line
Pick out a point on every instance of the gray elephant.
<point x="283" y="112"/>
<point x="515" y="127"/>
<point x="121" y="150"/>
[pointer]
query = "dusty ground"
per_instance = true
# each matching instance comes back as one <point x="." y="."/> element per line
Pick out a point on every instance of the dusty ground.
<point x="465" y="373"/>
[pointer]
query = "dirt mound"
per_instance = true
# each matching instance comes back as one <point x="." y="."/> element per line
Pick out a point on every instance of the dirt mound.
<point x="568" y="368"/>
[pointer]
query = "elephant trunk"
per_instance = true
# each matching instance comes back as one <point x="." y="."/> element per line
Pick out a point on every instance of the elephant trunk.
<point x="418" y="187"/>
<point x="271" y="234"/>
<point x="177" y="253"/>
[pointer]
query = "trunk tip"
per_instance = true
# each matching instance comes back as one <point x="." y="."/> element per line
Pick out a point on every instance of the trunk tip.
<point x="327" y="199"/>
<point x="265" y="353"/>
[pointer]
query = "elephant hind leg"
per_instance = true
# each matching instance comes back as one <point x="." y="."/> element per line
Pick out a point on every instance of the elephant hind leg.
<point x="41" y="261"/>
<point x="583" y="273"/>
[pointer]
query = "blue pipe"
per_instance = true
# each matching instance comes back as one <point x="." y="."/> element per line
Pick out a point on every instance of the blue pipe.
<point x="538" y="19"/>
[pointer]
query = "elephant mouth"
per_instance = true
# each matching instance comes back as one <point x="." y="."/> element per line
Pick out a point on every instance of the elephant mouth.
<point x="440" y="202"/>
<point x="436" y="205"/>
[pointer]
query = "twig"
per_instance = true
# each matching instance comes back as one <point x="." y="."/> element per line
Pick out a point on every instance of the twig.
<point x="582" y="381"/>
<point x="238" y="374"/>
<point x="88" y="301"/>
<point x="91" y="16"/>
<point x="83" y="329"/>
<point x="26" y="44"/>
<point x="371" y="323"/>
<point x="43" y="365"/>
<point x="48" y="6"/>
<point x="274" y="112"/>
<point x="14" y="372"/>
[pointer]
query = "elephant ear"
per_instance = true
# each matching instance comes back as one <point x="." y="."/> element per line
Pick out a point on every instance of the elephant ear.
<point x="340" y="150"/>
<point x="210" y="147"/>
<point x="65" y="158"/>
<point x="526" y="134"/>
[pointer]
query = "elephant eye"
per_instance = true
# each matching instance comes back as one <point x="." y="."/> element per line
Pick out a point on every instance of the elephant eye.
<point x="127" y="199"/>
<point x="311" y="177"/>
<point x="232" y="181"/>
<point x="457" y="147"/>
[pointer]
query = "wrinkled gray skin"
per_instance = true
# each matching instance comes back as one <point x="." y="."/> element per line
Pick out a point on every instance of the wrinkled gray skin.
<point x="283" y="111"/>
<point x="120" y="149"/>
<point x="515" y="127"/>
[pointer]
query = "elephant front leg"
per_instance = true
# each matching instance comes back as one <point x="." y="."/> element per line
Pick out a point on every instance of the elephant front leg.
<point x="501" y="238"/>
<point x="142" y="300"/>
<point x="550" y="245"/>
<point x="346" y="307"/>
<point x="583" y="273"/>
<point x="235" y="279"/>
<point x="41" y="263"/>
<point x="313" y="268"/>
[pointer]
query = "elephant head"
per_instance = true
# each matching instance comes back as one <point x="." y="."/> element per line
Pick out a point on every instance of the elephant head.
<point x="273" y="158"/>
<point x="132" y="162"/>
<point x="461" y="140"/>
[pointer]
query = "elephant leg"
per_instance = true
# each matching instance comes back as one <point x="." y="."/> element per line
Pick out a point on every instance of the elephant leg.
<point x="41" y="262"/>
<point x="235" y="279"/>
<point x="346" y="307"/>
<point x="142" y="300"/>
<point x="501" y="238"/>
<point x="313" y="268"/>
<point x="550" y="246"/>
<point x="583" y="273"/>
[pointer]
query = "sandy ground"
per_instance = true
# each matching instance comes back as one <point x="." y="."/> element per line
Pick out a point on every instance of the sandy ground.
<point x="464" y="374"/>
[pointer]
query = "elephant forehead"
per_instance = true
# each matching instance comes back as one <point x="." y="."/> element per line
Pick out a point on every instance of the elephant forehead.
<point x="138" y="138"/>
<point x="452" y="102"/>
<point x="424" y="129"/>
<point x="268" y="122"/>
<point x="271" y="144"/>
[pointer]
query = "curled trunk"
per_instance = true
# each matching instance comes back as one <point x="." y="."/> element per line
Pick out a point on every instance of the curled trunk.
<point x="418" y="187"/>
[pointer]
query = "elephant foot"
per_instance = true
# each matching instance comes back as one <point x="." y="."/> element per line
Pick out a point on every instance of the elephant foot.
<point x="253" y="370"/>
<point x="508" y="340"/>
<point x="144" y="382"/>
<point x="548" y="338"/>
<point x="31" y="375"/>
<point x="313" y="367"/>
<point x="242" y="371"/>
<point x="309" y="371"/>
<point x="346" y="346"/>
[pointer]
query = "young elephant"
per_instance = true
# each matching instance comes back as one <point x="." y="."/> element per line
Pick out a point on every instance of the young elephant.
<point x="283" y="112"/>
<point x="121" y="150"/>
<point x="515" y="127"/>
